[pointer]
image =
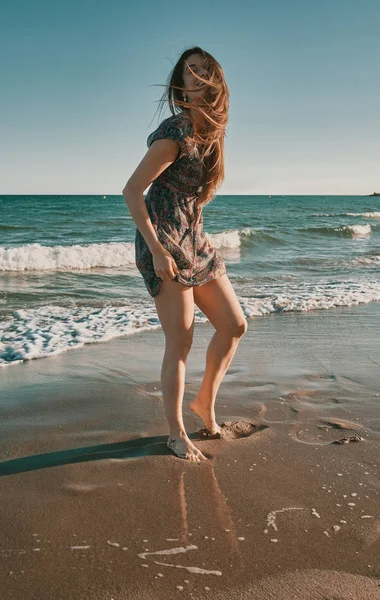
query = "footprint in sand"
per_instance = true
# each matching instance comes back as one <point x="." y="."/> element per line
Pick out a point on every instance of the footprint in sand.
<point x="342" y="424"/>
<point x="231" y="430"/>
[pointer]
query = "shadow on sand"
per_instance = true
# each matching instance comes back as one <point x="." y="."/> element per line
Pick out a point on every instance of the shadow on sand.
<point x="135" y="448"/>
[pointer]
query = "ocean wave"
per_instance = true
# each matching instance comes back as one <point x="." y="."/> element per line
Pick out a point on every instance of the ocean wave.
<point x="367" y="215"/>
<point x="356" y="231"/>
<point x="229" y="239"/>
<point x="35" y="257"/>
<point x="307" y="297"/>
<point x="352" y="231"/>
<point x="17" y="227"/>
<point x="370" y="260"/>
<point x="234" y="238"/>
<point x="49" y="330"/>
<point x="321" y="214"/>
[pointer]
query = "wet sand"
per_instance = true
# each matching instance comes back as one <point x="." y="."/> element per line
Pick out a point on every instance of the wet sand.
<point x="93" y="504"/>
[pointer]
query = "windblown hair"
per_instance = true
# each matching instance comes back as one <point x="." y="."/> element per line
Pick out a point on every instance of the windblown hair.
<point x="214" y="107"/>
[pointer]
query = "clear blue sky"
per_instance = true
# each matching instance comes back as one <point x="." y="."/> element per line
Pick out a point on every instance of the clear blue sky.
<point x="77" y="96"/>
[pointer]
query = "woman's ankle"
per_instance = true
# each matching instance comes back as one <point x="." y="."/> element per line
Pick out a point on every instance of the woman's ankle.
<point x="177" y="433"/>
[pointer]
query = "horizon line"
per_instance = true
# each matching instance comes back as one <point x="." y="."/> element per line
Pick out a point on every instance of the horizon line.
<point x="220" y="195"/>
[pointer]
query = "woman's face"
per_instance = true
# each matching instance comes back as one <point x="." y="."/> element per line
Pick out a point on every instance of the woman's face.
<point x="194" y="88"/>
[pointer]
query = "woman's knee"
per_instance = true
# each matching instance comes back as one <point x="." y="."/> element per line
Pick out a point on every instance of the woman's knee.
<point x="179" y="343"/>
<point x="236" y="329"/>
<point x="218" y="301"/>
<point x="242" y="328"/>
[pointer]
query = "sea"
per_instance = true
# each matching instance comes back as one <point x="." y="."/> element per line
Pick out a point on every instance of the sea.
<point x="68" y="274"/>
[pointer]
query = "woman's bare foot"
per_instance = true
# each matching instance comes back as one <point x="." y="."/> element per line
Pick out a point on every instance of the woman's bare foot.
<point x="207" y="415"/>
<point x="184" y="448"/>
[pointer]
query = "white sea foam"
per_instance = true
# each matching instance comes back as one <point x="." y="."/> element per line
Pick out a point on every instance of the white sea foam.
<point x="271" y="517"/>
<point x="327" y="214"/>
<point x="225" y="239"/>
<point x="34" y="257"/>
<point x="356" y="231"/>
<point x="303" y="297"/>
<point x="367" y="215"/>
<point x="197" y="570"/>
<point x="371" y="261"/>
<point x="179" y="550"/>
<point x="49" y="330"/>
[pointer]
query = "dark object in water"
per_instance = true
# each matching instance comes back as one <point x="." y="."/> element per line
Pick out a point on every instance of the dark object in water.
<point x="346" y="440"/>
<point x="374" y="194"/>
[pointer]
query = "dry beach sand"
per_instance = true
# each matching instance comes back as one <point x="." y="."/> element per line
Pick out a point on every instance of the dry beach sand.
<point x="94" y="506"/>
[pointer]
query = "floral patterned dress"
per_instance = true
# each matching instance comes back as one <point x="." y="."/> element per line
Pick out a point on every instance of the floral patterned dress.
<point x="172" y="207"/>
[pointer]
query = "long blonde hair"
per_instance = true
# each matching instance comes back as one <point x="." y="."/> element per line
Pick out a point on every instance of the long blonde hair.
<point x="214" y="108"/>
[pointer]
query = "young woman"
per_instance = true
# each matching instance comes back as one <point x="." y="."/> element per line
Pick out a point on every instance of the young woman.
<point x="179" y="265"/>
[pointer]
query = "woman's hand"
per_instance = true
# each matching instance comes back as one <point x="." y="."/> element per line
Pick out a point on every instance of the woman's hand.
<point x="164" y="265"/>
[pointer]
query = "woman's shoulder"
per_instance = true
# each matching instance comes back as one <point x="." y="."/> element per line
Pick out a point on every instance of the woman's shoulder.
<point x="177" y="127"/>
<point x="181" y="120"/>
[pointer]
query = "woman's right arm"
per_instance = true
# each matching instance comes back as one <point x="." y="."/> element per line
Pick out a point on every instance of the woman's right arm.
<point x="161" y="154"/>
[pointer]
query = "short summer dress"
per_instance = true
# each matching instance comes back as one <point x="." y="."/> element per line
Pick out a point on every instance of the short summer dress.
<point x="171" y="202"/>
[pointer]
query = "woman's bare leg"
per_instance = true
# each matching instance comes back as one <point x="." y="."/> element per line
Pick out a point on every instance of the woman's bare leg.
<point x="175" y="309"/>
<point x="218" y="301"/>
